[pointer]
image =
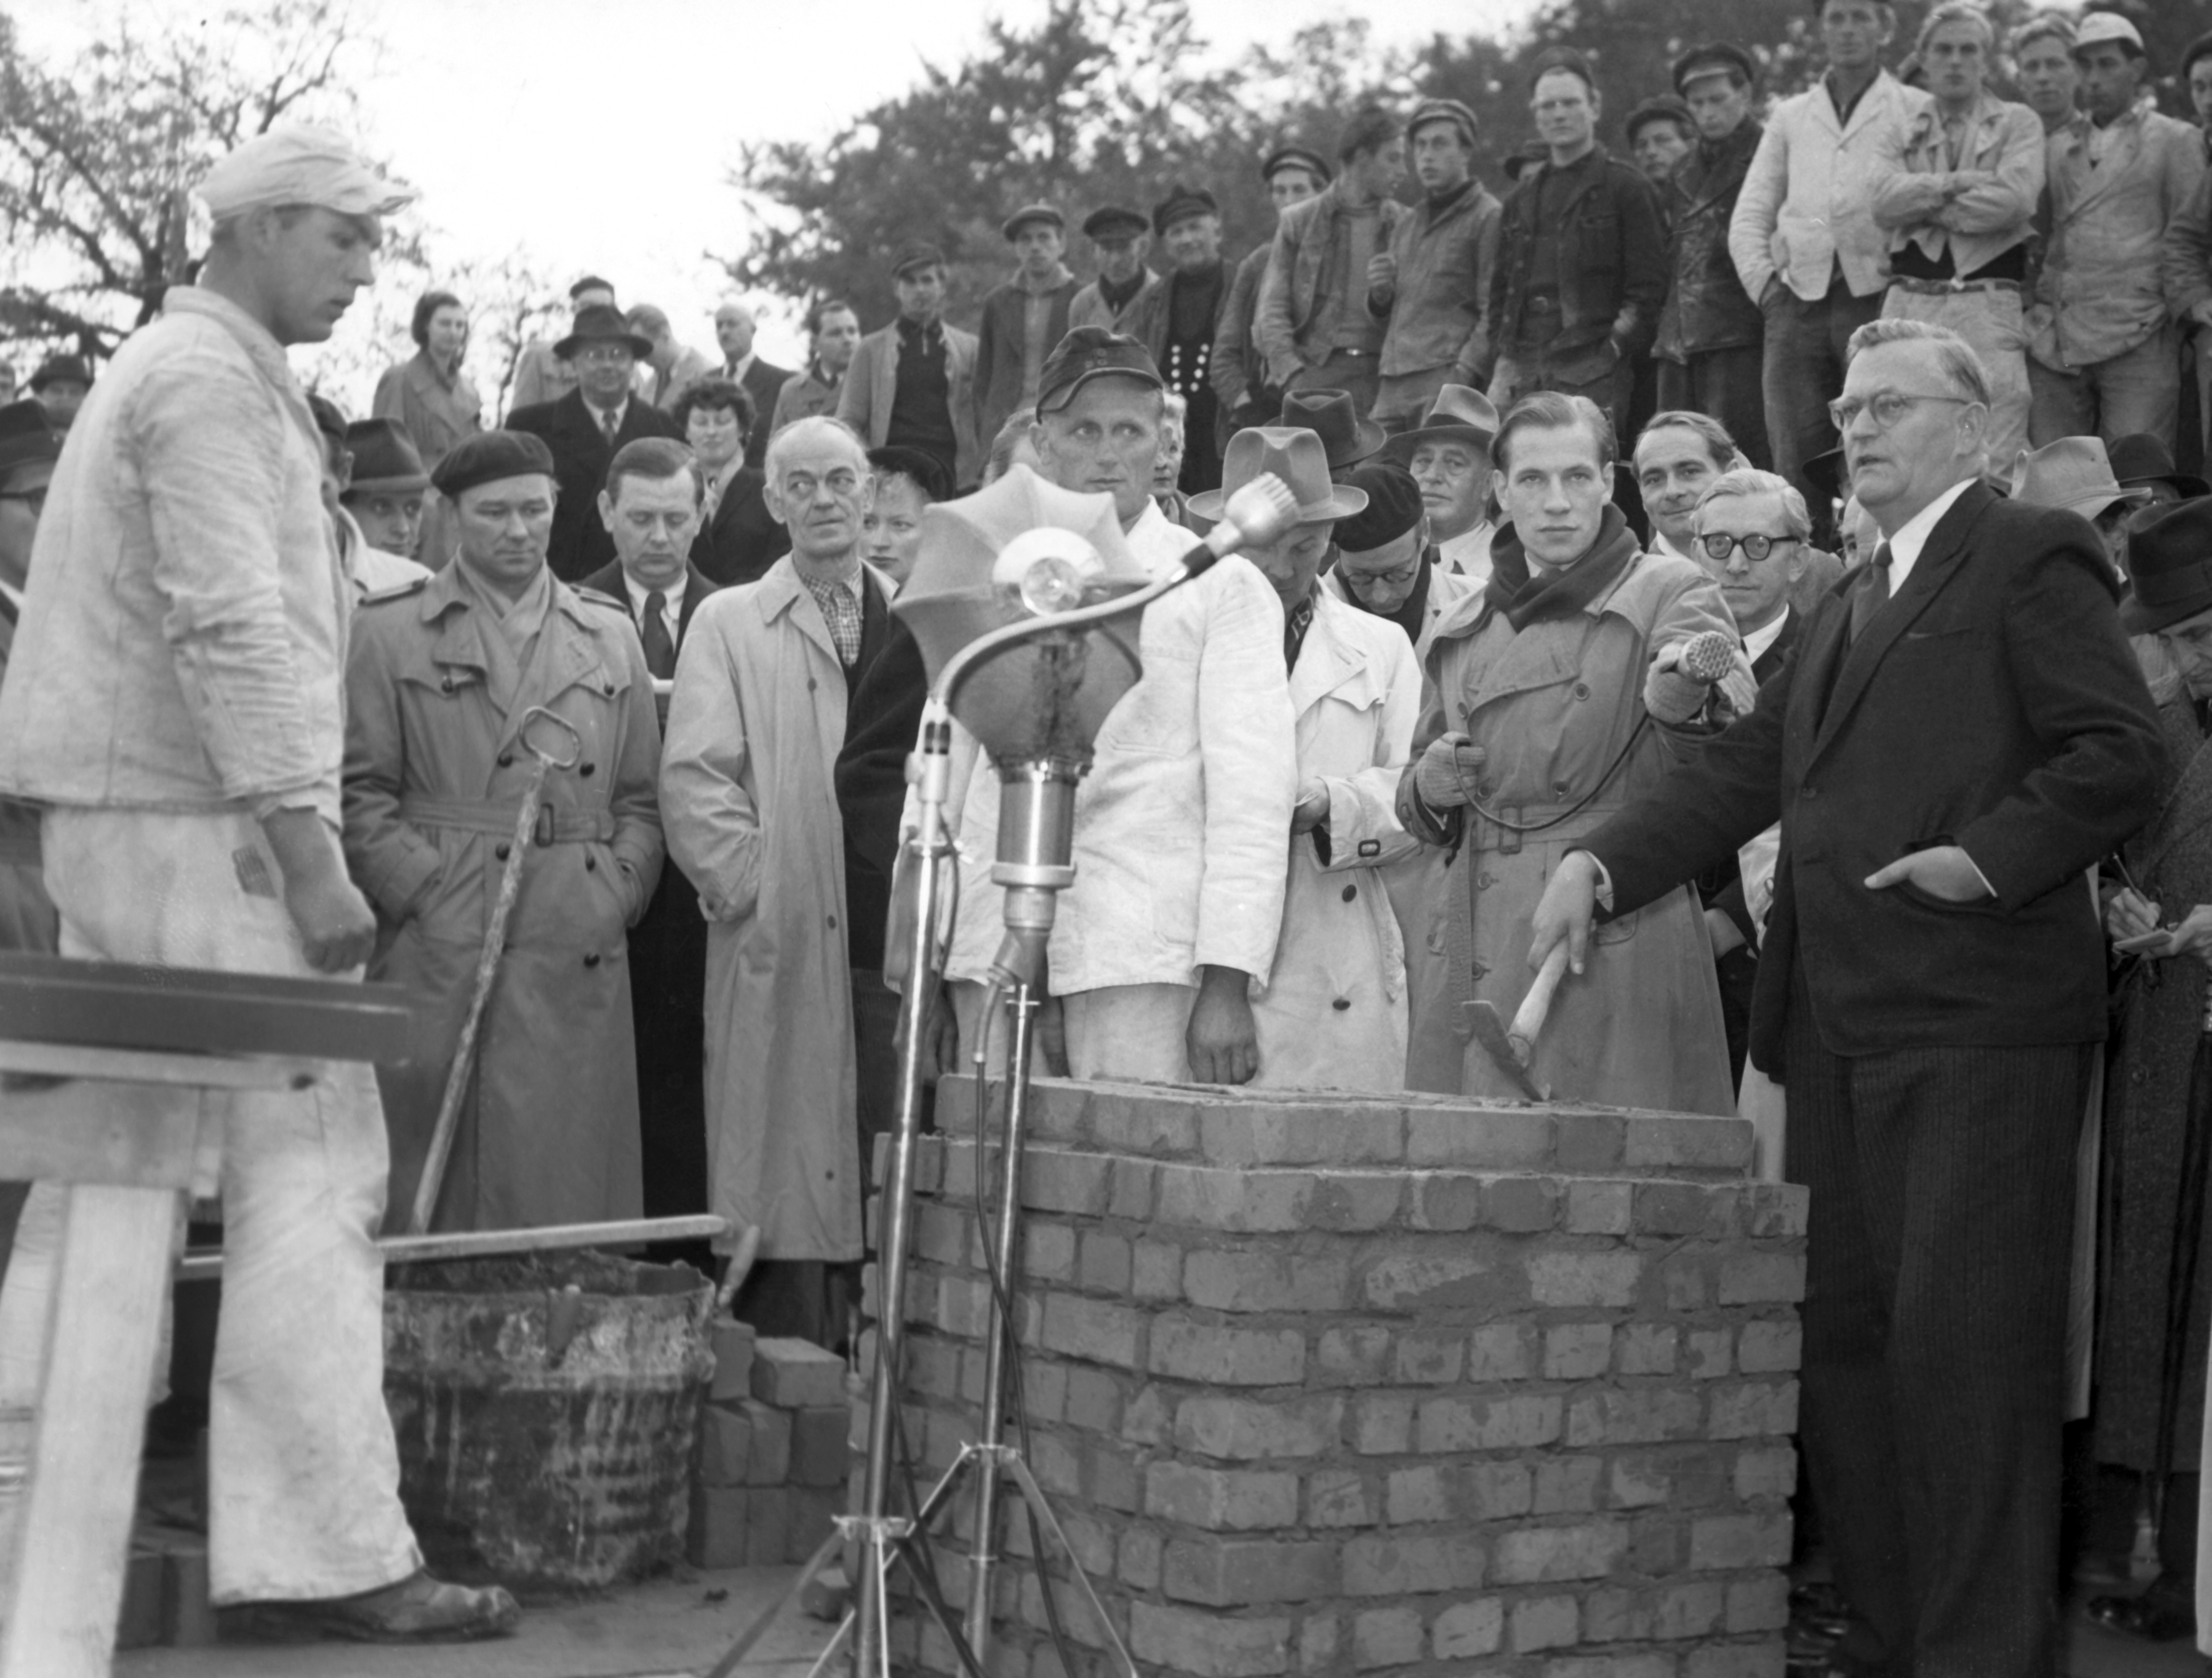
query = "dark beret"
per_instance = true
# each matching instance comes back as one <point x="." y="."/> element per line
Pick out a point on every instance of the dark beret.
<point x="487" y="457"/>
<point x="1394" y="506"/>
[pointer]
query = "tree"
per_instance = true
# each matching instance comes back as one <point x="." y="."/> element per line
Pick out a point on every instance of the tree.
<point x="98" y="157"/>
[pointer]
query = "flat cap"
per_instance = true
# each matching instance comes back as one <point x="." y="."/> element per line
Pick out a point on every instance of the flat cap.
<point x="1115" y="221"/>
<point x="26" y="438"/>
<point x="1182" y="203"/>
<point x="301" y="165"/>
<point x="1718" y="57"/>
<point x="1394" y="506"/>
<point x="1088" y="353"/>
<point x="63" y="370"/>
<point x="915" y="253"/>
<point x="2097" y="27"/>
<point x="490" y="456"/>
<point x="1296" y="157"/>
<point x="1457" y="112"/>
<point x="1032" y="212"/>
<point x="384" y="460"/>
<point x="1661" y="107"/>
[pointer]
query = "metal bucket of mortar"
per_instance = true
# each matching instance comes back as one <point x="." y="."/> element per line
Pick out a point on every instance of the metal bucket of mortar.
<point x="545" y="1407"/>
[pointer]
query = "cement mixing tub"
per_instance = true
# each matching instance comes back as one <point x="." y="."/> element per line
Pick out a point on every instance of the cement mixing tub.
<point x="545" y="1408"/>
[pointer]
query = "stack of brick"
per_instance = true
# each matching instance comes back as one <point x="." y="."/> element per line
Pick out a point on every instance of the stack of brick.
<point x="772" y="1455"/>
<point x="1336" y="1386"/>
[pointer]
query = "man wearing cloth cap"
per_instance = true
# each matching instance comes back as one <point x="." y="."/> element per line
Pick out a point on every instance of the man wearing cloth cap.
<point x="1120" y="236"/>
<point x="441" y="676"/>
<point x="1385" y="564"/>
<point x="2117" y="284"/>
<point x="1432" y="284"/>
<point x="61" y="385"/>
<point x="1660" y="133"/>
<point x="1293" y="174"/>
<point x="1314" y="327"/>
<point x="584" y="428"/>
<point x="912" y="383"/>
<point x="1333" y="1014"/>
<point x="1448" y="455"/>
<point x="1023" y="317"/>
<point x="1178" y="319"/>
<point x="1710" y="332"/>
<point x="174" y="699"/>
<point x="383" y="496"/>
<point x="543" y="374"/>
<point x="1180" y="825"/>
<point x="369" y="569"/>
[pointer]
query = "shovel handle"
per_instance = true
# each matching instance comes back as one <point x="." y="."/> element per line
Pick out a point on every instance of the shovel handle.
<point x="1529" y="1019"/>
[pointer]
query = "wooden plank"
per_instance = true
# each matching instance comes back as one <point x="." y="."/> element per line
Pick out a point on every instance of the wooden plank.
<point x="61" y="1606"/>
<point x="138" y="1066"/>
<point x="206" y="1266"/>
<point x="117" y="1005"/>
<point x="128" y="1136"/>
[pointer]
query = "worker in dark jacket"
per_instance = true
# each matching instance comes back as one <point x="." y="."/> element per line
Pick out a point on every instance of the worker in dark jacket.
<point x="1293" y="174"/>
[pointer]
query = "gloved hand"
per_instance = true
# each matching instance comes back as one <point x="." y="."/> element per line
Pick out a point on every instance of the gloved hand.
<point x="1447" y="771"/>
<point x="1669" y="694"/>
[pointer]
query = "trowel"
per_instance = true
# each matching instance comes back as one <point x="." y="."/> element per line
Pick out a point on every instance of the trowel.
<point x="1511" y="1048"/>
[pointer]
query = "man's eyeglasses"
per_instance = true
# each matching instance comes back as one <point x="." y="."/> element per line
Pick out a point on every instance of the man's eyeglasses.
<point x="34" y="499"/>
<point x="1888" y="407"/>
<point x="1396" y="577"/>
<point x="1718" y="547"/>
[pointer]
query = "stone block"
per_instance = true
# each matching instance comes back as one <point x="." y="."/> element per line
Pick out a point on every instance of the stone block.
<point x="1731" y="1541"/>
<point x="1754" y="1409"/>
<point x="1353" y="1356"/>
<point x="770" y="1463"/>
<point x="1304" y="1134"/>
<point x="1502" y="1351"/>
<point x="1225" y="1355"/>
<point x="767" y="1526"/>
<point x="1106" y="1265"/>
<point x="1258" y="1280"/>
<point x="1093" y="1329"/>
<point x="1391" y="1565"/>
<point x="1385" y="1637"/>
<point x="1545" y="1556"/>
<point x="1256" y="1429"/>
<point x="1438" y="1278"/>
<point x="1233" y="1572"/>
<point x="1469" y="1628"/>
<point x="818" y="1457"/>
<point x="716" y="1536"/>
<point x="1577" y="1279"/>
<point x="1545" y="1622"/>
<point x="1634" y="1415"/>
<point x="1770" y="1347"/>
<point x="1684" y="1141"/>
<point x="1221" y="1499"/>
<point x="1484" y="1138"/>
<point x="1156" y="1271"/>
<point x="794" y="1373"/>
<point x="733" y="1345"/>
<point x="725" y="1445"/>
<point x="1516" y="1423"/>
<point x="1577" y="1351"/>
<point x="1056" y="1181"/>
<point x="1423" y="1358"/>
<point x="1760" y="1278"/>
<point x="1341" y="1498"/>
<point x="1209" y="1645"/>
<point x="1599" y="1209"/>
<point x="813" y="1512"/>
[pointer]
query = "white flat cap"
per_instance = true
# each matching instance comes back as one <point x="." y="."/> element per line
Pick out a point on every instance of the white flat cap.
<point x="2099" y="26"/>
<point x="303" y="165"/>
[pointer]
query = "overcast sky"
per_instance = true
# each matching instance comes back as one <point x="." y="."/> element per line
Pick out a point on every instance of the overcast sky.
<point x="598" y="135"/>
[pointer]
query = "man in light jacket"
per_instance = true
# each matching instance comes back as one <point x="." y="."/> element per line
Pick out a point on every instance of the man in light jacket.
<point x="1804" y="239"/>
<point x="173" y="699"/>
<point x="912" y="383"/>
<point x="2104" y="335"/>
<point x="1293" y="174"/>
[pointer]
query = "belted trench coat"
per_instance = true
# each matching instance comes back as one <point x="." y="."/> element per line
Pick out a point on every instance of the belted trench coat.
<point x="434" y="775"/>
<point x="1555" y="706"/>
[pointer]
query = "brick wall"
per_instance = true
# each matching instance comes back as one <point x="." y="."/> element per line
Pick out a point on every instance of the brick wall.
<point x="1331" y="1387"/>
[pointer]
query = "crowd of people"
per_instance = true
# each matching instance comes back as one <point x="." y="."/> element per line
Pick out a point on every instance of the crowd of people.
<point x="1754" y="570"/>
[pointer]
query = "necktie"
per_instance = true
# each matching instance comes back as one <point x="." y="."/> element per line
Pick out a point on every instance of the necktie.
<point x="659" y="650"/>
<point x="1872" y="592"/>
<point x="612" y="425"/>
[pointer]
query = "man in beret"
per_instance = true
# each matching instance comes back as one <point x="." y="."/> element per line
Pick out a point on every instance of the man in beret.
<point x="1432" y="285"/>
<point x="1314" y="326"/>
<point x="1660" y="133"/>
<point x="1178" y="319"/>
<point x="61" y="385"/>
<point x="1386" y="564"/>
<point x="383" y="488"/>
<point x="1246" y="398"/>
<point x="441" y="681"/>
<point x="173" y="699"/>
<point x="543" y="374"/>
<point x="912" y="383"/>
<point x="1120" y="237"/>
<point x="584" y="428"/>
<point x="1710" y="334"/>
<point x="1023" y="317"/>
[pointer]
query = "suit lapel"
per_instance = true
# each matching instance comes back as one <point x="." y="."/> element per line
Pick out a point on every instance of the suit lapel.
<point x="697" y="587"/>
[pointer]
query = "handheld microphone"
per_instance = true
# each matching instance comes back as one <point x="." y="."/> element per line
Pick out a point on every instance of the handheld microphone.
<point x="1255" y="515"/>
<point x="1708" y="656"/>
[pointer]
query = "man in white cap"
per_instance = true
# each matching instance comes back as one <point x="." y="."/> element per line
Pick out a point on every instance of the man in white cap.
<point x="174" y="702"/>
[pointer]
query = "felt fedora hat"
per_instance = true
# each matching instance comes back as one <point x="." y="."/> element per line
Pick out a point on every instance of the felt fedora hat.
<point x="1345" y="438"/>
<point x="602" y="323"/>
<point x="2073" y="473"/>
<point x="1291" y="454"/>
<point x="2140" y="461"/>
<point x="2170" y="566"/>
<point x="1461" y="414"/>
<point x="384" y="460"/>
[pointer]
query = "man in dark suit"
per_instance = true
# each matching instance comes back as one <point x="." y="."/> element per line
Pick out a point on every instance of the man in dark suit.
<point x="763" y="381"/>
<point x="650" y="510"/>
<point x="586" y="427"/>
<point x="1962" y="734"/>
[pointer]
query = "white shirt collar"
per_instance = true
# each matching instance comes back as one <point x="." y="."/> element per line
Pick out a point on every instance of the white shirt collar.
<point x="1662" y="544"/>
<point x="1755" y="644"/>
<point x="1905" y="547"/>
<point x="672" y="608"/>
<point x="600" y="414"/>
<point x="1468" y="554"/>
<point x="736" y="371"/>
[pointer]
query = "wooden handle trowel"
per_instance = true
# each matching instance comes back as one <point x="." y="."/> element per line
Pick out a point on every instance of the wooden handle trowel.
<point x="1512" y="1048"/>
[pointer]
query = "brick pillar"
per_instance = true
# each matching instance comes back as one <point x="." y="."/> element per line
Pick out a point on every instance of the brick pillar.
<point x="1322" y="1385"/>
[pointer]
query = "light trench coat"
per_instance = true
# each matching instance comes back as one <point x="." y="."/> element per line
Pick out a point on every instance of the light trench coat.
<point x="434" y="775"/>
<point x="749" y="797"/>
<point x="1552" y="706"/>
<point x="1333" y="1015"/>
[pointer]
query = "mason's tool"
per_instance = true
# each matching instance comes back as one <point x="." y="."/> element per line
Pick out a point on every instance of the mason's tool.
<point x="1512" y="1048"/>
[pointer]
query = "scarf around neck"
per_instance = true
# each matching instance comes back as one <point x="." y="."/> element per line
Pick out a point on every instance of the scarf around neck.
<point x="1526" y="595"/>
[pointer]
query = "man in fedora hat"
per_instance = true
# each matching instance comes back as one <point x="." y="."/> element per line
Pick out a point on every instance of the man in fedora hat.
<point x="584" y="429"/>
<point x="911" y="383"/>
<point x="1432" y="285"/>
<point x="385" y="488"/>
<point x="1181" y="824"/>
<point x="1448" y="455"/>
<point x="1293" y="174"/>
<point x="61" y="385"/>
<point x="1333" y="1012"/>
<point x="1023" y="317"/>
<point x="174" y="702"/>
<point x="1345" y="438"/>
<point x="2140" y="461"/>
<point x="1385" y="564"/>
<point x="1314" y="327"/>
<point x="370" y="569"/>
<point x="1120" y="237"/>
<point x="2076" y="474"/>
<point x="1179" y="319"/>
<point x="541" y="375"/>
